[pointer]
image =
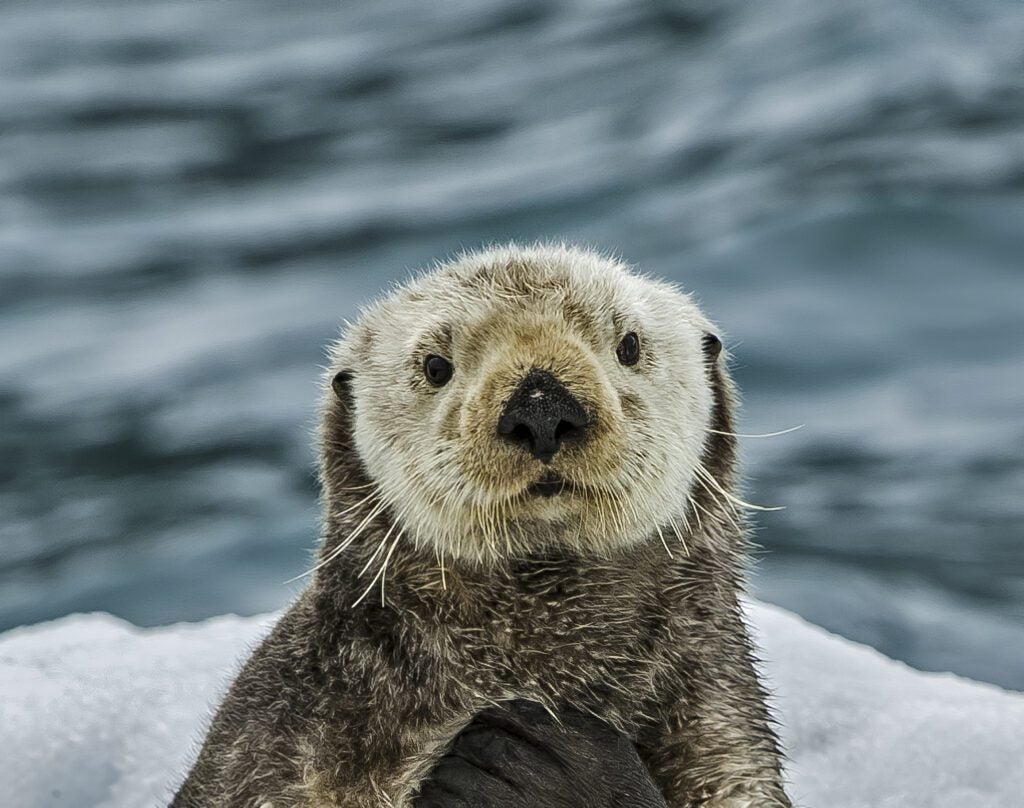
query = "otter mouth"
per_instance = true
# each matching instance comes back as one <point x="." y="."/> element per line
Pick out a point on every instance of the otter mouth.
<point x="549" y="485"/>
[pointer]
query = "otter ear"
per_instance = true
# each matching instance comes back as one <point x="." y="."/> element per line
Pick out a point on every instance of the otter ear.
<point x="712" y="346"/>
<point x="341" y="384"/>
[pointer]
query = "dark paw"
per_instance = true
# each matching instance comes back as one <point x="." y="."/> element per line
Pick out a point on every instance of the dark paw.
<point x="519" y="756"/>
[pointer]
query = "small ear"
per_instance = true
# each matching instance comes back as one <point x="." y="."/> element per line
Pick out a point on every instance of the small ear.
<point x="340" y="384"/>
<point x="712" y="345"/>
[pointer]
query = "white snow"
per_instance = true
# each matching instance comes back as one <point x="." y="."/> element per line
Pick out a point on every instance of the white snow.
<point x="96" y="712"/>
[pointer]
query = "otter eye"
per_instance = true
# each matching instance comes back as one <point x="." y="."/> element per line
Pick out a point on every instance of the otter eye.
<point x="628" y="350"/>
<point x="437" y="369"/>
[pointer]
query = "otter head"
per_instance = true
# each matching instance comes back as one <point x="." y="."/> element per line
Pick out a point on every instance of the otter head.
<point x="523" y="400"/>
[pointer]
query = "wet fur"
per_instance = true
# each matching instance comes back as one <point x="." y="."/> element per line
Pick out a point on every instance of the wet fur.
<point x="627" y="609"/>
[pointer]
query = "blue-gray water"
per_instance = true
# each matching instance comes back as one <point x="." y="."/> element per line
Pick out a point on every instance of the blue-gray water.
<point x="193" y="195"/>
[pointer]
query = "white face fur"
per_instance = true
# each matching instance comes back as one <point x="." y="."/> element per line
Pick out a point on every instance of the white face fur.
<point x="435" y="452"/>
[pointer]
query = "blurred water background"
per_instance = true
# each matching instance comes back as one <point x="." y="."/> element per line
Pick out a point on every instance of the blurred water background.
<point x="194" y="194"/>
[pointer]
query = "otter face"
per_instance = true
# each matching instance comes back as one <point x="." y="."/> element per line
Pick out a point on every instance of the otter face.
<point x="526" y="399"/>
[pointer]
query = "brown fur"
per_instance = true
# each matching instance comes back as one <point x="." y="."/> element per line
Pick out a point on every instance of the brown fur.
<point x="619" y="599"/>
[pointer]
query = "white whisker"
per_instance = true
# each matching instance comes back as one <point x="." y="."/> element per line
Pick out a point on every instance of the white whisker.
<point x="679" y="535"/>
<point x="663" y="542"/>
<point x="439" y="555"/>
<point x="692" y="502"/>
<point x="374" y="511"/>
<point x="379" y="574"/>
<point x="727" y="508"/>
<point x="380" y="548"/>
<point x="742" y="503"/>
<point x="761" y="435"/>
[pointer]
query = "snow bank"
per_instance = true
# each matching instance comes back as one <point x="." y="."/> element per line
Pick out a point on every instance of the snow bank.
<point x="96" y="712"/>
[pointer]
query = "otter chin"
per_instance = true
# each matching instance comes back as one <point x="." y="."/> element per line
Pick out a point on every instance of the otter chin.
<point x="528" y="472"/>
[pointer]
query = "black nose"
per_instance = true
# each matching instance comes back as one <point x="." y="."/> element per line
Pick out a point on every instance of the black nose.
<point x="540" y="414"/>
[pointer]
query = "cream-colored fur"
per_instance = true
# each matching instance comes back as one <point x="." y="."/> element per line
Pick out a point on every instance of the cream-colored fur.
<point x="435" y="454"/>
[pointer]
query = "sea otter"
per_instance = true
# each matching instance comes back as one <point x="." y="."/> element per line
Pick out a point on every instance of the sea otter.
<point x="528" y="466"/>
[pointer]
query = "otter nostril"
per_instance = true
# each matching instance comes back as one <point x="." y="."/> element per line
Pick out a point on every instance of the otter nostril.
<point x="521" y="433"/>
<point x="566" y="429"/>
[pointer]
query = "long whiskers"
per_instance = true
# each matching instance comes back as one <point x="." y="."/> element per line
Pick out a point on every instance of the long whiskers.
<point x="380" y="547"/>
<point x="679" y="534"/>
<point x="693" y="504"/>
<point x="380" y="574"/>
<point x="663" y="542"/>
<point x="440" y="562"/>
<point x="728" y="507"/>
<point x="761" y="435"/>
<point x="351" y="508"/>
<point x="707" y="475"/>
<point x="375" y="511"/>
<point x="355" y="487"/>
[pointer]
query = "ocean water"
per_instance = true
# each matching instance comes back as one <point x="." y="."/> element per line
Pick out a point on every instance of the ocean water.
<point x="194" y="195"/>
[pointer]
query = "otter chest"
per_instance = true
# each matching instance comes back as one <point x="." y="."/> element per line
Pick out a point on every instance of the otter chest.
<point x="577" y="643"/>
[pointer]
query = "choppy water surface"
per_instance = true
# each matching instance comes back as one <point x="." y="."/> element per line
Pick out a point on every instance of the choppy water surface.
<point x="192" y="196"/>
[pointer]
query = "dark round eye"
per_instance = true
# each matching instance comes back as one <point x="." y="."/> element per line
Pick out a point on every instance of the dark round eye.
<point x="628" y="350"/>
<point x="437" y="369"/>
